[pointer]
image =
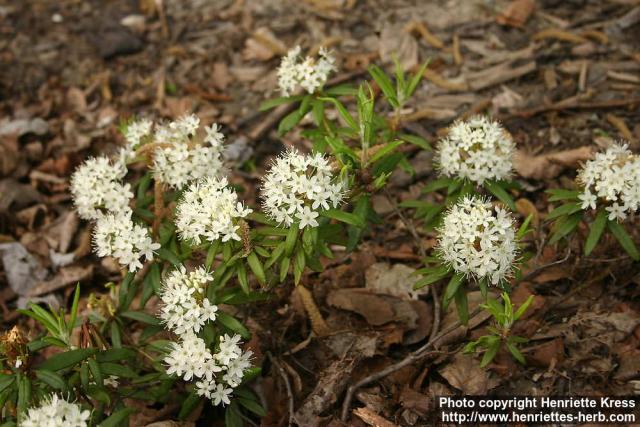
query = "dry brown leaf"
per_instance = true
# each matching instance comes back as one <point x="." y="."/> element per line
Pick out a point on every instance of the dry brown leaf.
<point x="399" y="44"/>
<point x="393" y="280"/>
<point x="525" y="208"/>
<point x="550" y="165"/>
<point x="374" y="308"/>
<point x="548" y="353"/>
<point x="263" y="46"/>
<point x="371" y="418"/>
<point x="517" y="13"/>
<point x="464" y="373"/>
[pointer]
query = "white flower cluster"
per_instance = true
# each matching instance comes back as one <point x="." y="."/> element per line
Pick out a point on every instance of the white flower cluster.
<point x="185" y="309"/>
<point x="56" y="412"/>
<point x="118" y="236"/>
<point x="308" y="73"/>
<point x="137" y="131"/>
<point x="612" y="179"/>
<point x="181" y="157"/>
<point x="96" y="188"/>
<point x="211" y="210"/>
<point x="477" y="239"/>
<point x="192" y="360"/>
<point x="477" y="149"/>
<point x="297" y="186"/>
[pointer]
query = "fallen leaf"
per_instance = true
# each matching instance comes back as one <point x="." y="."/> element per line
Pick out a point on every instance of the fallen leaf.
<point x="525" y="208"/>
<point x="375" y="308"/>
<point x="411" y="399"/>
<point x="517" y="13"/>
<point x="21" y="127"/>
<point x="22" y="269"/>
<point x="393" y="280"/>
<point x="68" y="275"/>
<point x="548" y="353"/>
<point x="371" y="418"/>
<point x="464" y="373"/>
<point x="263" y="45"/>
<point x="394" y="42"/>
<point x="550" y="165"/>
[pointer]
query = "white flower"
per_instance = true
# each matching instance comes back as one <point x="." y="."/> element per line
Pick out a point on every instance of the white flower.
<point x="612" y="180"/>
<point x="236" y="368"/>
<point x="221" y="395"/>
<point x="119" y="237"/>
<point x="96" y="189"/>
<point x="183" y="158"/>
<point x="478" y="240"/>
<point x="308" y="73"/>
<point x="297" y="186"/>
<point x="56" y="412"/>
<point x="477" y="149"/>
<point x="229" y="349"/>
<point x="190" y="358"/>
<point x="137" y="131"/>
<point x="209" y="210"/>
<point x="185" y="308"/>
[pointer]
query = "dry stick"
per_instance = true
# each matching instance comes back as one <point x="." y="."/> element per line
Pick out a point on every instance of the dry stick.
<point x="412" y="357"/>
<point x="418" y="241"/>
<point x="561" y="105"/>
<point x="287" y="385"/>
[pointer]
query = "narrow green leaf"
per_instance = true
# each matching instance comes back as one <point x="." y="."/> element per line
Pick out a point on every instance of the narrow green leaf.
<point x="624" y="239"/>
<point x="189" y="405"/>
<point x="290" y="241"/>
<point x="284" y="268"/>
<point x="516" y="353"/>
<point x="595" y="231"/>
<point x="462" y="305"/>
<point x="52" y="379"/>
<point x="452" y="287"/>
<point x="558" y="194"/>
<point x="253" y="406"/>
<point x="241" y="273"/>
<point x="290" y="121"/>
<point x="523" y="308"/>
<point x="274" y="102"/>
<point x="390" y="147"/>
<point x="117" y="418"/>
<point x="344" y="113"/>
<point x="169" y="256"/>
<point x="415" y="80"/>
<point x="115" y="369"/>
<point x="233" y="324"/>
<point x="256" y="268"/>
<point x="67" y="359"/>
<point x="385" y="84"/>
<point x="74" y="308"/>
<point x="96" y="373"/>
<point x="492" y="350"/>
<point x="564" y="210"/>
<point x="436" y="185"/>
<point x="141" y="316"/>
<point x="497" y="190"/>
<point x="24" y="395"/>
<point x="565" y="226"/>
<point x="343" y="216"/>
<point x="416" y="140"/>
<point x="299" y="263"/>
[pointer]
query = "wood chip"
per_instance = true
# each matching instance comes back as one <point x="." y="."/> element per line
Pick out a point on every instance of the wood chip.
<point x="457" y="55"/>
<point x="625" y="77"/>
<point x="517" y="13"/>
<point x="440" y="81"/>
<point x="371" y="418"/>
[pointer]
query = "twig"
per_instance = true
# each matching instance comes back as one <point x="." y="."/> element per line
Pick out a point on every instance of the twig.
<point x="287" y="385"/>
<point x="423" y="254"/>
<point x="409" y="359"/>
<point x="536" y="271"/>
<point x="561" y="105"/>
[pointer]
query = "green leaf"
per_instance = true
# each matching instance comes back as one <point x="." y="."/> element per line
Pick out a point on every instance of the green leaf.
<point x="253" y="406"/>
<point x="452" y="288"/>
<point x="432" y="276"/>
<point x="211" y="254"/>
<point x="462" y="305"/>
<point x="272" y="103"/>
<point x="6" y="381"/>
<point x="415" y="140"/>
<point x="241" y="273"/>
<point x="497" y="190"/>
<point x="624" y="239"/>
<point x="232" y="417"/>
<point x="141" y="317"/>
<point x="96" y="373"/>
<point x="523" y="308"/>
<point x="110" y="368"/>
<point x="346" y="89"/>
<point x="290" y="121"/>
<point x="256" y="268"/>
<point x="74" y="308"/>
<point x="415" y="80"/>
<point x="558" y="194"/>
<point x="565" y="226"/>
<point x="233" y="324"/>
<point x="343" y="216"/>
<point x="67" y="359"/>
<point x="99" y="393"/>
<point x="344" y="113"/>
<point x="385" y="150"/>
<point x="385" y="84"/>
<point x="169" y="256"/>
<point x="595" y="231"/>
<point x="117" y="418"/>
<point x="436" y="185"/>
<point x="298" y="265"/>
<point x="24" y="395"/>
<point x="564" y="210"/>
<point x="115" y="355"/>
<point x="189" y="405"/>
<point x="515" y="353"/>
<point x="52" y="379"/>
<point x="492" y="349"/>
<point x="116" y="336"/>
<point x="290" y="241"/>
